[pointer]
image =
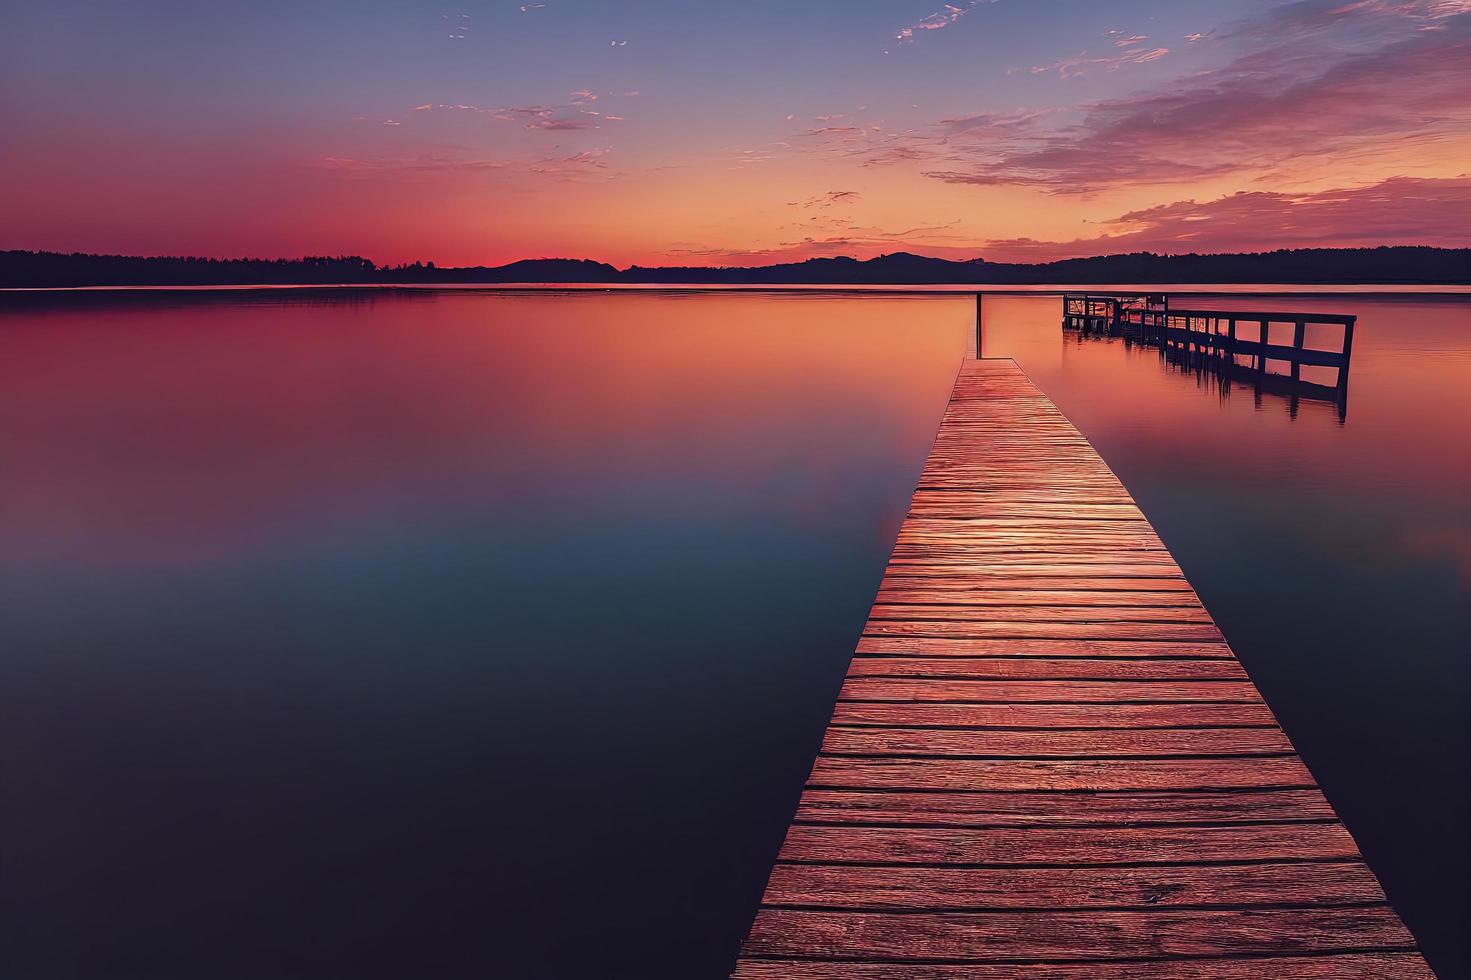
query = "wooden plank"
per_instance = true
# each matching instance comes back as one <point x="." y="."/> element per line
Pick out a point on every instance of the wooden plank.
<point x="983" y="809"/>
<point x="1042" y="668"/>
<point x="941" y="628"/>
<point x="902" y="772"/>
<point x="1051" y="743"/>
<point x="1041" y="715"/>
<point x="1045" y="760"/>
<point x="1036" y="581"/>
<point x="1067" y="846"/>
<point x="951" y="646"/>
<point x="897" y="591"/>
<point x="1065" y="564"/>
<point x="1071" y="935"/>
<point x="956" y="690"/>
<point x="1341" y="966"/>
<point x="856" y="887"/>
<point x="1036" y="613"/>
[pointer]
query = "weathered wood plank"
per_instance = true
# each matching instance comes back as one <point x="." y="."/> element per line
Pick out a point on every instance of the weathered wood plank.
<point x="1037" y="613"/>
<point x="1067" y="846"/>
<point x="970" y="580"/>
<point x="1341" y="966"/>
<point x="1035" y="744"/>
<point x="980" y="630"/>
<point x="1045" y="668"/>
<point x="1072" y="935"/>
<point x="984" y="809"/>
<point x="1041" y="715"/>
<point x="901" y="592"/>
<point x="943" y="646"/>
<point x="956" y="690"/>
<point x="850" y="886"/>
<point x="1058" y="774"/>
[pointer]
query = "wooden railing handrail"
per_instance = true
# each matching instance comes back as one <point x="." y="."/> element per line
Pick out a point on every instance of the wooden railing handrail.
<point x="1256" y="316"/>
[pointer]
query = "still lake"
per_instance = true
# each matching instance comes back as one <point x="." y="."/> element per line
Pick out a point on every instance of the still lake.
<point x="441" y="634"/>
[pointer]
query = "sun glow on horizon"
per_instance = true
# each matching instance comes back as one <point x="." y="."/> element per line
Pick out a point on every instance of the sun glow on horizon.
<point x="751" y="134"/>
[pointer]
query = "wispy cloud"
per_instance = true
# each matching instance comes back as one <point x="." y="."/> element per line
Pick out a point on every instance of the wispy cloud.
<point x="942" y="18"/>
<point x="1258" y="114"/>
<point x="435" y="168"/>
<point x="1302" y="19"/>
<point x="1081" y="63"/>
<point x="1400" y="210"/>
<point x="837" y="237"/>
<point x="564" y="117"/>
<point x="998" y="124"/>
<point x="422" y="165"/>
<point x="565" y="125"/>
<point x="828" y="200"/>
<point x="458" y="25"/>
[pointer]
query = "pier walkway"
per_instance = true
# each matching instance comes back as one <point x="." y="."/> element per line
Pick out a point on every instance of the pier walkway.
<point x="1045" y="761"/>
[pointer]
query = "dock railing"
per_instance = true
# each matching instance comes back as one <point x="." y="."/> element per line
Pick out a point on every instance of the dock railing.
<point x="1107" y="313"/>
<point x="1225" y="338"/>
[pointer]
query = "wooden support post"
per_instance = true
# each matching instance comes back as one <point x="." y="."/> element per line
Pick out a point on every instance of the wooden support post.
<point x="1261" y="358"/>
<point x="1299" y="331"/>
<point x="978" y="326"/>
<point x="1231" y="342"/>
<point x="1348" y="349"/>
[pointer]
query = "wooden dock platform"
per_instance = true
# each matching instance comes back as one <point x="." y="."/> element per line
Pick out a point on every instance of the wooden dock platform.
<point x="1045" y="760"/>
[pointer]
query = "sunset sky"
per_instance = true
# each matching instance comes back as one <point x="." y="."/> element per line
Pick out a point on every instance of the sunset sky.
<point x="733" y="131"/>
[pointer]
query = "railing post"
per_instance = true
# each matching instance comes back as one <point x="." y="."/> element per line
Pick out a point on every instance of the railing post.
<point x="978" y="325"/>
<point x="1299" y="332"/>
<point x="1348" y="349"/>
<point x="1261" y="357"/>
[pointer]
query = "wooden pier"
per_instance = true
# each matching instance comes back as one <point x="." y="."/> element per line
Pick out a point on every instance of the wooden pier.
<point x="1045" y="760"/>
<point x="1106" y="313"/>
<point x="1236" y="344"/>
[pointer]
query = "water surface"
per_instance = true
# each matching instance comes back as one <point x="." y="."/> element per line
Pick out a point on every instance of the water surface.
<point x="431" y="635"/>
<point x="448" y="634"/>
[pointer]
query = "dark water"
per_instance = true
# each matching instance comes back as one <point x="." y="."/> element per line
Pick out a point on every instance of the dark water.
<point x="471" y="635"/>
<point x="448" y="635"/>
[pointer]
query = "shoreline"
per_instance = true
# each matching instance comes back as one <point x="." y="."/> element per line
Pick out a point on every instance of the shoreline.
<point x="1450" y="290"/>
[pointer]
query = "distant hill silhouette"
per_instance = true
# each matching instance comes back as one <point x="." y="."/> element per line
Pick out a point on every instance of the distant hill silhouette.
<point x="1386" y="264"/>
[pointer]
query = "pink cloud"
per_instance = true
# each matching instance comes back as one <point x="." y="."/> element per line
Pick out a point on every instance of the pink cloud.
<point x="947" y="15"/>
<point x="564" y="125"/>
<point x="1079" y="64"/>
<point x="1397" y="211"/>
<point x="1262" y="110"/>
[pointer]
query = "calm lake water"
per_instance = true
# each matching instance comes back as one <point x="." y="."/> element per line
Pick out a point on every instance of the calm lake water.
<point x="466" y="634"/>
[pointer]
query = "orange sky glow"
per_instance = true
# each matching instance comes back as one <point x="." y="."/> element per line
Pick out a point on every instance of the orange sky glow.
<point x="480" y="134"/>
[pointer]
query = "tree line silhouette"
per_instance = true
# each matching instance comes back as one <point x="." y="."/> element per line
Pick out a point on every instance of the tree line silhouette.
<point x="1385" y="264"/>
